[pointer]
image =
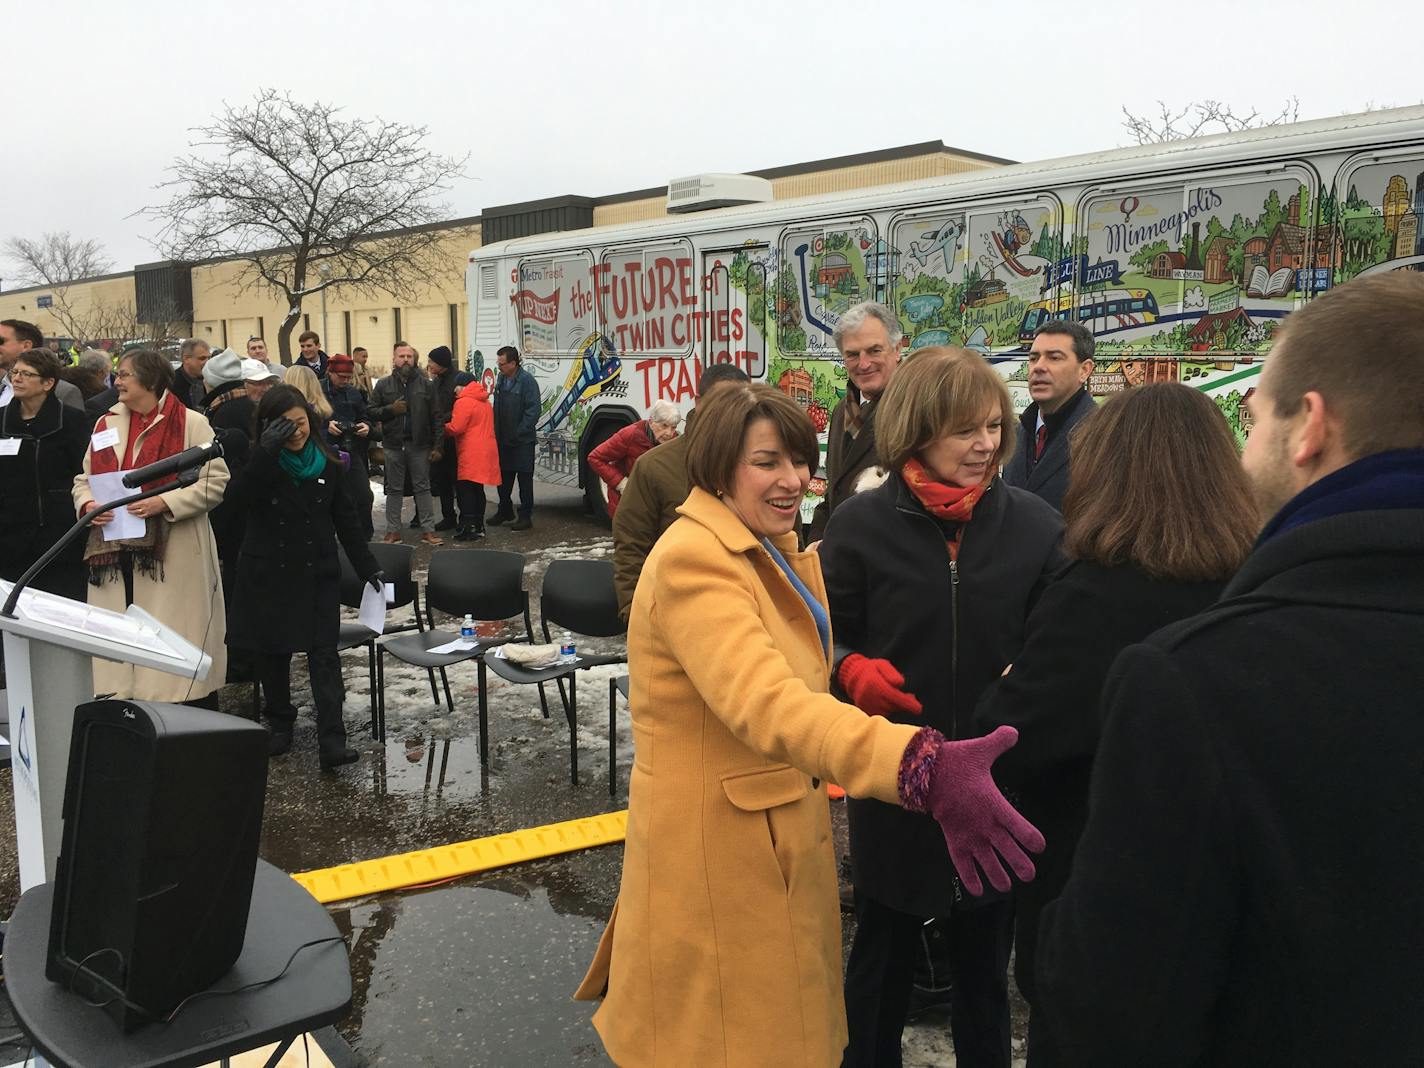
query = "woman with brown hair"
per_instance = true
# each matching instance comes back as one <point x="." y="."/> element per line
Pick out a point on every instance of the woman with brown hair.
<point x="171" y="570"/>
<point x="1158" y="516"/>
<point x="930" y="578"/>
<point x="725" y="945"/>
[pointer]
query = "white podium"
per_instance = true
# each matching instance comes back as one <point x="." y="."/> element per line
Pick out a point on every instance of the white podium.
<point x="48" y="646"/>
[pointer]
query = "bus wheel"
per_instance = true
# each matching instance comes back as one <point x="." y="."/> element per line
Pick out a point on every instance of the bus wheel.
<point x="595" y="493"/>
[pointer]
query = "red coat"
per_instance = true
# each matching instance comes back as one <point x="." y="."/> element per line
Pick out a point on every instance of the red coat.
<point x="613" y="460"/>
<point x="472" y="425"/>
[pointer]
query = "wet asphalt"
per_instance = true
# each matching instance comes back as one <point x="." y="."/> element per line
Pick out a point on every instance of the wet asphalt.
<point x="477" y="971"/>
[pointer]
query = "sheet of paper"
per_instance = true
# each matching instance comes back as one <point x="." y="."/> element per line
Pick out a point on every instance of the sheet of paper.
<point x="373" y="609"/>
<point x="9" y="446"/>
<point x="459" y="645"/>
<point x="110" y="487"/>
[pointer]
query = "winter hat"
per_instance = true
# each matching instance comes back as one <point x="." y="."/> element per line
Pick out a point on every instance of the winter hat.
<point x="441" y="355"/>
<point x="463" y="378"/>
<point x="256" y="371"/>
<point x="342" y="365"/>
<point x="224" y="366"/>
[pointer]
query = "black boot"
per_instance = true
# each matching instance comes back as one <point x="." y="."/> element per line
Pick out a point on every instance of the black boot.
<point x="279" y="741"/>
<point x="446" y="523"/>
<point x="500" y="517"/>
<point x="327" y="693"/>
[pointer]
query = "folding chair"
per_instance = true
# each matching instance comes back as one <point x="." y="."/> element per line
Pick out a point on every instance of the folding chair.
<point x="615" y="687"/>
<point x="578" y="596"/>
<point x="354" y="635"/>
<point x="484" y="583"/>
<point x="397" y="563"/>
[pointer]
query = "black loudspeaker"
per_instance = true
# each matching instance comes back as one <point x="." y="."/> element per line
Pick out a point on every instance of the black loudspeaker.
<point x="162" y="815"/>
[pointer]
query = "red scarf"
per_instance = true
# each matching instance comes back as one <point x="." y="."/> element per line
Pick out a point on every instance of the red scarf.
<point x="163" y="432"/>
<point x="954" y="504"/>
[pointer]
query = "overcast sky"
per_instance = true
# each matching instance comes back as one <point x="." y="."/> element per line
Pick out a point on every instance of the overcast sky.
<point x="562" y="97"/>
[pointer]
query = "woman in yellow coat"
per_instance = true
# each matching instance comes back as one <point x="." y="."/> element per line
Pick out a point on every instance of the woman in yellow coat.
<point x="724" y="946"/>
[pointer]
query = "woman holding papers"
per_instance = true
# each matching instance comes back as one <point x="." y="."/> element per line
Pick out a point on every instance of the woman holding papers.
<point x="287" y="598"/>
<point x="159" y="553"/>
<point x="42" y="445"/>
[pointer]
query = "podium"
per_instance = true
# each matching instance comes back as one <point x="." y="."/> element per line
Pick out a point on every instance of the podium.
<point x="49" y="644"/>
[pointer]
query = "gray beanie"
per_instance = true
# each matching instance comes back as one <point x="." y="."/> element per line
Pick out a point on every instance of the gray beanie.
<point x="225" y="366"/>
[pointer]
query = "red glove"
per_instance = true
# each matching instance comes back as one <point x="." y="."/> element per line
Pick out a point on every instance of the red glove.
<point x="875" y="686"/>
<point x="979" y="825"/>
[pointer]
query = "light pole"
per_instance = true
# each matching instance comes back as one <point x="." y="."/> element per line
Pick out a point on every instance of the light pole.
<point x="325" y="271"/>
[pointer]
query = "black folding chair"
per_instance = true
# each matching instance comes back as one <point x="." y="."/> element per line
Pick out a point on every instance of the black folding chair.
<point x="354" y="635"/>
<point x="397" y="563"/>
<point x="578" y="596"/>
<point x="615" y="687"/>
<point x="486" y="584"/>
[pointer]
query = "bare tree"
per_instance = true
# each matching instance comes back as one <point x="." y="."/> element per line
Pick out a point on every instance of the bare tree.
<point x="55" y="259"/>
<point x="58" y="260"/>
<point x="1199" y="119"/>
<point x="307" y="200"/>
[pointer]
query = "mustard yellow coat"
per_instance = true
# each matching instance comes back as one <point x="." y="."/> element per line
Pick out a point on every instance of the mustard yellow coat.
<point x="724" y="948"/>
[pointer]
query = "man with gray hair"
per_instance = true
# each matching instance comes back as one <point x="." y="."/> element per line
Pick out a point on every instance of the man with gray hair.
<point x="188" y="384"/>
<point x="868" y="339"/>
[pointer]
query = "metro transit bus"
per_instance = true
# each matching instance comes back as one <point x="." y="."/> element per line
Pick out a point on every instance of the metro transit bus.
<point x="1183" y="258"/>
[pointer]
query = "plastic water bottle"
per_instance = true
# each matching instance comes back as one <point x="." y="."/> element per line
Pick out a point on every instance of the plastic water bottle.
<point x="568" y="652"/>
<point x="467" y="628"/>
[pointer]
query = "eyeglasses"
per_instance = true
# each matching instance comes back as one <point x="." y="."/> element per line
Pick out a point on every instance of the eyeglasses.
<point x="21" y="373"/>
<point x="875" y="352"/>
<point x="124" y="375"/>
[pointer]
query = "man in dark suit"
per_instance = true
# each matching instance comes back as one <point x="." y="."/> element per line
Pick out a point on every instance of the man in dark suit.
<point x="868" y="339"/>
<point x="1059" y="365"/>
<point x="1247" y="888"/>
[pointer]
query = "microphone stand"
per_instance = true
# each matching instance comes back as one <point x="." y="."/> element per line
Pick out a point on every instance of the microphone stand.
<point x="185" y="478"/>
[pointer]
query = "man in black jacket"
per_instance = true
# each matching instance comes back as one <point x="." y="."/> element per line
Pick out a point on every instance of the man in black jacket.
<point x="1059" y="365"/>
<point x="1246" y="890"/>
<point x="868" y="338"/>
<point x="188" y="385"/>
<point x="439" y="365"/>
<point x="404" y="402"/>
<point x="350" y="430"/>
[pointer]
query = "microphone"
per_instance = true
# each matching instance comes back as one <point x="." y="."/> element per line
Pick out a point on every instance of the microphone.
<point x="182" y="461"/>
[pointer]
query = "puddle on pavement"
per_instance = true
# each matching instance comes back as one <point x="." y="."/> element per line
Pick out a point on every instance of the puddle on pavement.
<point x="476" y="973"/>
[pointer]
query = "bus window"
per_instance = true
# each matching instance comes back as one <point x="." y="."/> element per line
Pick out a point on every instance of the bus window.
<point x="823" y="272"/>
<point x="554" y="303"/>
<point x="647" y="299"/>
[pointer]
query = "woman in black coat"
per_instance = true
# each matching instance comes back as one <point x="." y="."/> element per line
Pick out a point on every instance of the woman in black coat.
<point x="1154" y="530"/>
<point x="294" y="494"/>
<point x="42" y="446"/>
<point x="931" y="575"/>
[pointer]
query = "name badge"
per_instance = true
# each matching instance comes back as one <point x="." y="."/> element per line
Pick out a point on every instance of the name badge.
<point x="9" y="446"/>
<point x="321" y="482"/>
<point x="104" y="439"/>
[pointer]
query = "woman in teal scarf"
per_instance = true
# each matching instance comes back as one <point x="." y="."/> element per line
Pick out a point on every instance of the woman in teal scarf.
<point x="287" y="595"/>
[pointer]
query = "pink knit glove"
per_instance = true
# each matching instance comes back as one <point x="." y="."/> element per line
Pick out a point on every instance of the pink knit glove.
<point x="953" y="783"/>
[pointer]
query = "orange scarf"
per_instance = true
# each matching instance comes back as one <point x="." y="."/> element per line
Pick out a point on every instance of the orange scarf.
<point x="953" y="504"/>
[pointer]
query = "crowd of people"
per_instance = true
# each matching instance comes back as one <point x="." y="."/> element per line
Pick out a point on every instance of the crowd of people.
<point x="1194" y="670"/>
<point x="262" y="524"/>
<point x="1159" y="694"/>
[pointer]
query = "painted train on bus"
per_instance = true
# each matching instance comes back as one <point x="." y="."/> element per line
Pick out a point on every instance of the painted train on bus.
<point x="1183" y="258"/>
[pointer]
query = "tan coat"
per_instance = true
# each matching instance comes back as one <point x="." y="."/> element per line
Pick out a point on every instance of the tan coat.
<point x="189" y="597"/>
<point x="724" y="948"/>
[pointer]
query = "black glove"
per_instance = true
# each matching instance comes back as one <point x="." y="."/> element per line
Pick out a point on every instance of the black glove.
<point x="377" y="581"/>
<point x="276" y="432"/>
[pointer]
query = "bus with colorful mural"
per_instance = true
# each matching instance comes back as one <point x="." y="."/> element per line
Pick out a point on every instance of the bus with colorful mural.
<point x="1182" y="257"/>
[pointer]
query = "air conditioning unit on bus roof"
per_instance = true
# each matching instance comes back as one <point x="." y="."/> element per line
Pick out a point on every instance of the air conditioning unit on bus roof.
<point x="703" y="191"/>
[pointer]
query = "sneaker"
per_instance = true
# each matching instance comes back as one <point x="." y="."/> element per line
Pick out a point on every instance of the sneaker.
<point x="499" y="517"/>
<point x="469" y="532"/>
<point x="431" y="538"/>
<point x="392" y="537"/>
<point x="522" y="523"/>
<point x="446" y="524"/>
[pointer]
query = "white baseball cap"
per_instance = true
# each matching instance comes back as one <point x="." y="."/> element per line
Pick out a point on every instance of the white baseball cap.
<point x="257" y="371"/>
